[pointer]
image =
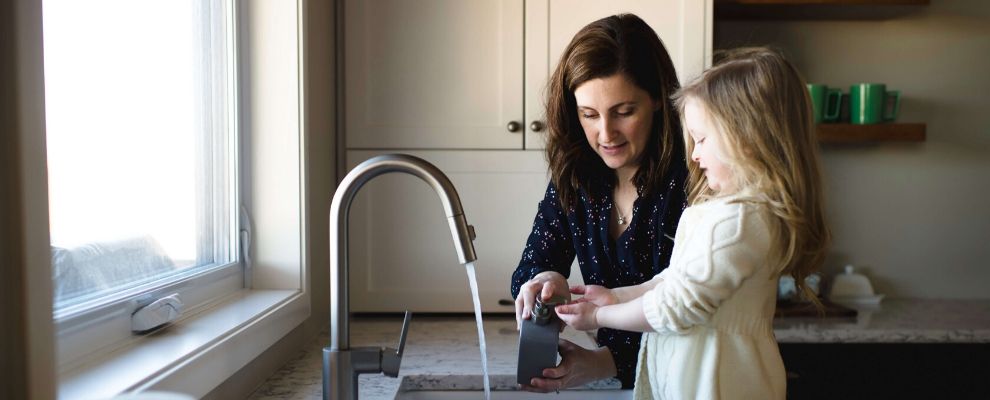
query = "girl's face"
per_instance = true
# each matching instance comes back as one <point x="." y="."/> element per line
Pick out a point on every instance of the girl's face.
<point x="709" y="151"/>
<point x="616" y="116"/>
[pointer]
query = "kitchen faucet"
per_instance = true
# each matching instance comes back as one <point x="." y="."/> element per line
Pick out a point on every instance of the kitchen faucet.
<point x="341" y="363"/>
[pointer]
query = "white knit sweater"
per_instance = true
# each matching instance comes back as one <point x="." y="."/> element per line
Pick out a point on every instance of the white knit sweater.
<point x="712" y="311"/>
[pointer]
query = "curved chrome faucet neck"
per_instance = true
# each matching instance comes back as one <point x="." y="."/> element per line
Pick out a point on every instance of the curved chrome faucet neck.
<point x="375" y="166"/>
<point x="461" y="232"/>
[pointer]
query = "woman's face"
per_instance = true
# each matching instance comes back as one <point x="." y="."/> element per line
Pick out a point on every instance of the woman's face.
<point x="616" y="116"/>
<point x="709" y="151"/>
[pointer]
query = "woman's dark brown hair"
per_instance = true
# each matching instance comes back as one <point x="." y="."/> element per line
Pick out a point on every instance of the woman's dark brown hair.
<point x="620" y="44"/>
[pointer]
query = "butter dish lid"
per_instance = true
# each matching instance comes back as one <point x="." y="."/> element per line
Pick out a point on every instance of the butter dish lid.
<point x="851" y="285"/>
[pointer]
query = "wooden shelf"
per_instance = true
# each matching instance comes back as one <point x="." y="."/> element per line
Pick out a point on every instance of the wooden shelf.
<point x="888" y="132"/>
<point x="833" y="10"/>
<point x="815" y="9"/>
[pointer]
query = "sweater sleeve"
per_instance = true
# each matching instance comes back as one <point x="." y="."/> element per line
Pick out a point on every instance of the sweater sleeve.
<point x="550" y="246"/>
<point x="727" y="246"/>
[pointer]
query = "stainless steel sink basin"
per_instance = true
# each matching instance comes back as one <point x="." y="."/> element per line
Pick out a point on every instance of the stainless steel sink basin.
<point x="443" y="387"/>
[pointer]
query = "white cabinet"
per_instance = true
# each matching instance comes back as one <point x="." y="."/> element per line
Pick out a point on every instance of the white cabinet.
<point x="454" y="74"/>
<point x="443" y="80"/>
<point x="402" y="255"/>
<point x="433" y="74"/>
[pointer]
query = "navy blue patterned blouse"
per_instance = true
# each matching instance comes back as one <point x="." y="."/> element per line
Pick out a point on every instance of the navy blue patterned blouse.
<point x="638" y="254"/>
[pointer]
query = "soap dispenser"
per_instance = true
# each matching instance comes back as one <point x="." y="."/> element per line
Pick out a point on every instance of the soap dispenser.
<point x="538" y="340"/>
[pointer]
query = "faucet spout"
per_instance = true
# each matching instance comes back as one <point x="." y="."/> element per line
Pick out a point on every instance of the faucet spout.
<point x="340" y="364"/>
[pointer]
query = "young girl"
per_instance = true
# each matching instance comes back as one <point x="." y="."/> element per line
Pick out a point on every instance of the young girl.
<point x="756" y="213"/>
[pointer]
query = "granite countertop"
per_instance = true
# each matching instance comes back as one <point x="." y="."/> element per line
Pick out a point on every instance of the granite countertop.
<point x="895" y="321"/>
<point x="436" y="345"/>
<point x="448" y="345"/>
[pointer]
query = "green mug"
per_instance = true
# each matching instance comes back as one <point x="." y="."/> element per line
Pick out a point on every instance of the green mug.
<point x="871" y="103"/>
<point x="825" y="102"/>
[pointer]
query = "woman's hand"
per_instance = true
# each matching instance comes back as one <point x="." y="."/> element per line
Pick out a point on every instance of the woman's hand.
<point x="580" y="315"/>
<point x="546" y="285"/>
<point x="598" y="295"/>
<point x="578" y="366"/>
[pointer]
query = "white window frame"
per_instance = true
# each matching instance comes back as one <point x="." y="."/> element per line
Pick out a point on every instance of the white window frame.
<point x="99" y="325"/>
<point x="210" y="344"/>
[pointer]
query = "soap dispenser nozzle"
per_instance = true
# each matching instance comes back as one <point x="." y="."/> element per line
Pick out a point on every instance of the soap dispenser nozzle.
<point x="543" y="311"/>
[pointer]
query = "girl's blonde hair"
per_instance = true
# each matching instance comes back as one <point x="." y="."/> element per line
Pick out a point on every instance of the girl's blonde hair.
<point x="760" y="105"/>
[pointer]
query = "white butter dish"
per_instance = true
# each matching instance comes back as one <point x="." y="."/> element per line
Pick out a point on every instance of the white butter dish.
<point x="858" y="300"/>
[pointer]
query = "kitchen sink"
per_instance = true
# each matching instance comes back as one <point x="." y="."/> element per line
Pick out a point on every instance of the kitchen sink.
<point x="443" y="387"/>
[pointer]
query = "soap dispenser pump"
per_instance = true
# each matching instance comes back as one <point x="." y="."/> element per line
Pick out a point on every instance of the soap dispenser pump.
<point x="538" y="340"/>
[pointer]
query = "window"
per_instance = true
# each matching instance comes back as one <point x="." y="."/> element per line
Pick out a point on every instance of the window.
<point x="142" y="160"/>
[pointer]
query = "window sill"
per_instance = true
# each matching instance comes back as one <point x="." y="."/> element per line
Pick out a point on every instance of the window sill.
<point x="196" y="354"/>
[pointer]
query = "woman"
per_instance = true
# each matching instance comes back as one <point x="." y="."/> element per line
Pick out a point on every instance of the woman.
<point x="616" y="190"/>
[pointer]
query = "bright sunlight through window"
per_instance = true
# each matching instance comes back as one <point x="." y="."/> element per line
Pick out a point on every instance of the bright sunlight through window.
<point x="138" y="160"/>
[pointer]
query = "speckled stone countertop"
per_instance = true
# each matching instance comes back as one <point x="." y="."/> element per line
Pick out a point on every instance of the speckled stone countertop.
<point x="895" y="321"/>
<point x="435" y="346"/>
<point x="442" y="346"/>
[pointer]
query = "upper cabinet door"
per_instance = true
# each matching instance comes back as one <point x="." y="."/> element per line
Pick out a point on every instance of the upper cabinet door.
<point x="684" y="26"/>
<point x="434" y="74"/>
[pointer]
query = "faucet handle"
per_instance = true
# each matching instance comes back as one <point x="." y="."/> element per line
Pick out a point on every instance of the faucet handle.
<point x="392" y="358"/>
<point x="405" y="332"/>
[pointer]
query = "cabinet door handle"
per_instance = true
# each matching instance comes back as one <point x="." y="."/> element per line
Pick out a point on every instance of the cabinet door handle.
<point x="513" y="126"/>
<point x="536" y="126"/>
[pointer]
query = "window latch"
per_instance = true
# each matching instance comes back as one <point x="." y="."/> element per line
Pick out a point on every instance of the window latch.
<point x="158" y="313"/>
<point x="245" y="241"/>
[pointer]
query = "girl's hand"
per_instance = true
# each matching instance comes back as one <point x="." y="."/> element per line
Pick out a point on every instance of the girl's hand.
<point x="578" y="366"/>
<point x="546" y="285"/>
<point x="597" y="295"/>
<point x="579" y="315"/>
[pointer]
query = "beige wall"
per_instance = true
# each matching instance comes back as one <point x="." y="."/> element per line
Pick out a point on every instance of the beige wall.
<point x="915" y="216"/>
<point x="318" y="41"/>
